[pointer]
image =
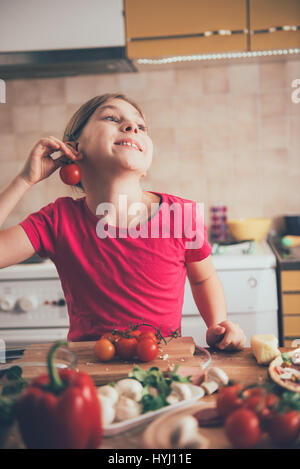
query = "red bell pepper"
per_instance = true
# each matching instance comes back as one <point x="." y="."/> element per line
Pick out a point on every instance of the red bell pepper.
<point x="60" y="410"/>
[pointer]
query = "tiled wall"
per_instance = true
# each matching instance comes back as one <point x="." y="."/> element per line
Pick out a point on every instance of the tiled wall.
<point x="224" y="133"/>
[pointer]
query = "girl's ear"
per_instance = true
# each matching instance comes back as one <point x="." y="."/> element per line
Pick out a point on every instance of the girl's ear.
<point x="74" y="147"/>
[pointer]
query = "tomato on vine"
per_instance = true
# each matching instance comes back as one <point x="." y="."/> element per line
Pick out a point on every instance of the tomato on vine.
<point x="147" y="349"/>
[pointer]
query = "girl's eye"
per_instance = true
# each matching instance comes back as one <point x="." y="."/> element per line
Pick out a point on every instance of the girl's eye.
<point x="113" y="118"/>
<point x="143" y="127"/>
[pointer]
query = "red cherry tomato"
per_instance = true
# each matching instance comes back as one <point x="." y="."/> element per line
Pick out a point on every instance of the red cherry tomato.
<point x="104" y="349"/>
<point x="260" y="402"/>
<point x="147" y="350"/>
<point x="70" y="174"/>
<point x="135" y="333"/>
<point x="228" y="399"/>
<point x="126" y="347"/>
<point x="148" y="335"/>
<point x="284" y="429"/>
<point x="242" y="428"/>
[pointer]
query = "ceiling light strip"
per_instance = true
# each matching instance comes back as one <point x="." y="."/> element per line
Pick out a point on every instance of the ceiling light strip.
<point x="217" y="56"/>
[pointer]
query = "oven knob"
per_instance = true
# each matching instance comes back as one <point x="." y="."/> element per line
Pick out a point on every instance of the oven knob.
<point x="27" y="303"/>
<point x="252" y="282"/>
<point x="7" y="303"/>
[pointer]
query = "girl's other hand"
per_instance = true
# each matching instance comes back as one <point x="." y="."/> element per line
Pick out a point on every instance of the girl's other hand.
<point x="40" y="164"/>
<point x="226" y="336"/>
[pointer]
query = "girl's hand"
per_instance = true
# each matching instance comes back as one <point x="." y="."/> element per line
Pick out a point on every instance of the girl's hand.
<point x="226" y="336"/>
<point x="40" y="164"/>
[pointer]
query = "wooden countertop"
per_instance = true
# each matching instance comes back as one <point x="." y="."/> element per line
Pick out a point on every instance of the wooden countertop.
<point x="240" y="366"/>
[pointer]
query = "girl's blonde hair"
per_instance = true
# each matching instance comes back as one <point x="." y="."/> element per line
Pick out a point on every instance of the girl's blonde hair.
<point x="82" y="115"/>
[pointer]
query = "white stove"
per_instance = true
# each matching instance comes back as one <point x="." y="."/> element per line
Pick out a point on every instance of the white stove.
<point x="248" y="274"/>
<point x="32" y="305"/>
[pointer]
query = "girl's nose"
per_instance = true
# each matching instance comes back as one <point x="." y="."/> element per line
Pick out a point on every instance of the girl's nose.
<point x="128" y="127"/>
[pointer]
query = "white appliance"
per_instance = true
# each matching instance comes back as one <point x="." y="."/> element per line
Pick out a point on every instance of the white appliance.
<point x="249" y="281"/>
<point x="33" y="308"/>
<point x="32" y="305"/>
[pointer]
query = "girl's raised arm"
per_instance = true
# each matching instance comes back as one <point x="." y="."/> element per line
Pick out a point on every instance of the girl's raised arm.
<point x="15" y="246"/>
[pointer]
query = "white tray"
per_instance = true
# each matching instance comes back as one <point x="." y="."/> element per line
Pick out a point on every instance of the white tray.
<point x="119" y="427"/>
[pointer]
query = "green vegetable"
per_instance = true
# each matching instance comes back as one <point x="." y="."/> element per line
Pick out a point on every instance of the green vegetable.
<point x="12" y="386"/>
<point x="158" y="380"/>
<point x="286" y="358"/>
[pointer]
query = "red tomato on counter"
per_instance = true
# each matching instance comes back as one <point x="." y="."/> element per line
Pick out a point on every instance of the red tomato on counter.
<point x="147" y="350"/>
<point x="242" y="428"/>
<point x="228" y="399"/>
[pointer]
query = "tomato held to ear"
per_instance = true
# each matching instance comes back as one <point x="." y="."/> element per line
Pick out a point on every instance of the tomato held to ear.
<point x="70" y="174"/>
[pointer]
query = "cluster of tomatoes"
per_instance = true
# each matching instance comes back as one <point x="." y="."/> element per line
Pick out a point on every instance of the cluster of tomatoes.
<point x="250" y="413"/>
<point x="127" y="345"/>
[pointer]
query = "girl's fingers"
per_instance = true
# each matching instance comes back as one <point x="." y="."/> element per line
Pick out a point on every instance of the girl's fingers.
<point x="59" y="145"/>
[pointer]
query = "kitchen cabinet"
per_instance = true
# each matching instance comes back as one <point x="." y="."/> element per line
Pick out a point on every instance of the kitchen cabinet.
<point x="290" y="301"/>
<point x="265" y="14"/>
<point x="176" y="27"/>
<point x="288" y="279"/>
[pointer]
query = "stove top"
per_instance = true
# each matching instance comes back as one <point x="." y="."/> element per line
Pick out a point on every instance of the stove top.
<point x="288" y="258"/>
<point x="245" y="255"/>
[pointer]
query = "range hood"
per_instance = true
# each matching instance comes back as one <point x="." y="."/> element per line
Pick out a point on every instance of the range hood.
<point x="57" y="63"/>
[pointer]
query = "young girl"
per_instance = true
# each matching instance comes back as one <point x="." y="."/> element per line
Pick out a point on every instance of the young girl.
<point x="112" y="279"/>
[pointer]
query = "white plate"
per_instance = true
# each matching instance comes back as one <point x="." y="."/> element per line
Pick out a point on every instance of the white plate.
<point x="119" y="427"/>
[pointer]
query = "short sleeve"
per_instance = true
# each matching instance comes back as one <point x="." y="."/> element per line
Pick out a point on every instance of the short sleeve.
<point x="41" y="229"/>
<point x="197" y="246"/>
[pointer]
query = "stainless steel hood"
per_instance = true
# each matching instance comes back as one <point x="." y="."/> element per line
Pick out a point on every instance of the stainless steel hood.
<point x="58" y="63"/>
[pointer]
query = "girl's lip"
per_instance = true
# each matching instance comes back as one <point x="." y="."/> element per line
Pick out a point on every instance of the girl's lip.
<point x="129" y="140"/>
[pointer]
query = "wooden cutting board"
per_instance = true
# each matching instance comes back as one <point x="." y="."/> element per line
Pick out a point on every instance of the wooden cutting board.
<point x="180" y="350"/>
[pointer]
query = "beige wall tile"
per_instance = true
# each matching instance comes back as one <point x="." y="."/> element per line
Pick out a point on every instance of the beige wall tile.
<point x="53" y="117"/>
<point x="243" y="108"/>
<point x="215" y="80"/>
<point x="243" y="78"/>
<point x="52" y="90"/>
<point x="25" y="142"/>
<point x="189" y="82"/>
<point x="274" y="104"/>
<point x="274" y="132"/>
<point x="26" y="118"/>
<point x="273" y="76"/>
<point x="294" y="134"/>
<point x="6" y="119"/>
<point x="7" y="147"/>
<point x="81" y="88"/>
<point x="25" y="92"/>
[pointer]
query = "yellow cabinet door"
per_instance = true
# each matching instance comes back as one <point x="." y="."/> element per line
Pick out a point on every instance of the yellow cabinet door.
<point x="291" y="326"/>
<point x="265" y="14"/>
<point x="172" y="27"/>
<point x="290" y="280"/>
<point x="291" y="304"/>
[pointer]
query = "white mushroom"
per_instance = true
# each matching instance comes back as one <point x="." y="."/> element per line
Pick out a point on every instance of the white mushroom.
<point x="131" y="388"/>
<point x="172" y="398"/>
<point x="110" y="392"/>
<point x="107" y="410"/>
<point x="184" y="431"/>
<point x="127" y="408"/>
<point x="182" y="390"/>
<point x="215" y="377"/>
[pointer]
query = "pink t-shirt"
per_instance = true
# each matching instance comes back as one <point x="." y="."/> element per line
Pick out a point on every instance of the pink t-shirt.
<point x="112" y="276"/>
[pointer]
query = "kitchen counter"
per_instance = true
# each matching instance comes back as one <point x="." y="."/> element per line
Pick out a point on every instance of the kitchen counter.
<point x="240" y="366"/>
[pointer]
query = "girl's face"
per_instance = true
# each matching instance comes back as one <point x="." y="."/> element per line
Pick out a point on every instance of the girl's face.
<point x="116" y="137"/>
